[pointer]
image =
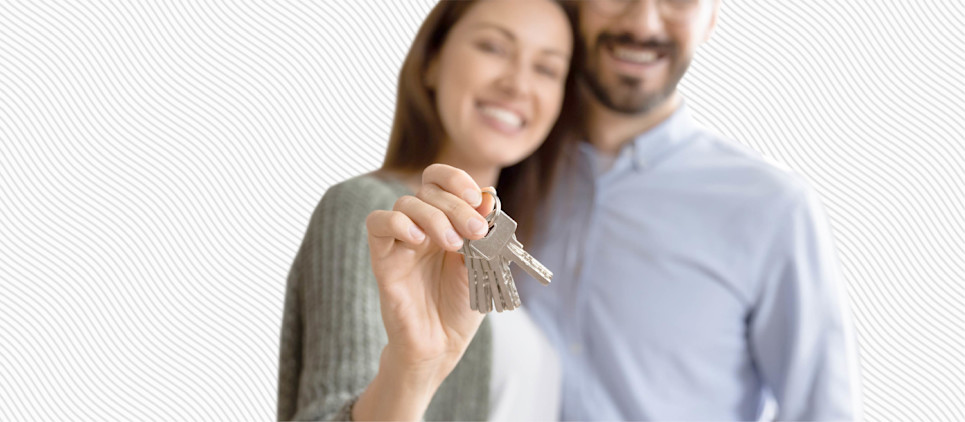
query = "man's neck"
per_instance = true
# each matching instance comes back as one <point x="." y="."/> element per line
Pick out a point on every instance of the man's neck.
<point x="608" y="130"/>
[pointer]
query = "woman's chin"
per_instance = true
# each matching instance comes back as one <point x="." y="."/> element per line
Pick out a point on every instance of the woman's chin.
<point x="503" y="160"/>
<point x="495" y="155"/>
<point x="505" y="155"/>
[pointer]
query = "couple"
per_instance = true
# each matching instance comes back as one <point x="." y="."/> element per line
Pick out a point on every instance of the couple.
<point x="692" y="279"/>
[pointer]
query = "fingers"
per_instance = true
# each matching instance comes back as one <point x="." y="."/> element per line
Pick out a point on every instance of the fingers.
<point x="385" y="227"/>
<point x="431" y="220"/>
<point x="488" y="203"/>
<point x="467" y="222"/>
<point x="458" y="196"/>
<point x="448" y="208"/>
<point x="454" y="181"/>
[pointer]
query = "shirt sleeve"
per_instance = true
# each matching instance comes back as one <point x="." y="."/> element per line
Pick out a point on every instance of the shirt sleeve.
<point x="799" y="329"/>
<point x="332" y="333"/>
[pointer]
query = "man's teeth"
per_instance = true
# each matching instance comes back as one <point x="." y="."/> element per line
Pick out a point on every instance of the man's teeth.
<point x="636" y="56"/>
<point x="507" y="117"/>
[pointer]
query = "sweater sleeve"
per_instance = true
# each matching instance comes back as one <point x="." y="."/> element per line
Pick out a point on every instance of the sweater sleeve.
<point x="290" y="359"/>
<point x="332" y="334"/>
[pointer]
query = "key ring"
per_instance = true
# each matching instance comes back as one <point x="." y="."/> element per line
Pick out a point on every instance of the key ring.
<point x="492" y="214"/>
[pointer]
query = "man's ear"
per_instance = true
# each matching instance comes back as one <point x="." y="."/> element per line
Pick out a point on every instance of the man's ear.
<point x="431" y="76"/>
<point x="712" y="23"/>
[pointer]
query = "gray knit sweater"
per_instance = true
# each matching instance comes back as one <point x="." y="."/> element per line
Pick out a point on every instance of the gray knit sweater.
<point x="332" y="333"/>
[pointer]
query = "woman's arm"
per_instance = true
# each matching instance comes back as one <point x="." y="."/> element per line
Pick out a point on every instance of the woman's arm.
<point x="356" y="262"/>
<point x="290" y="358"/>
<point x="424" y="297"/>
<point x="332" y="335"/>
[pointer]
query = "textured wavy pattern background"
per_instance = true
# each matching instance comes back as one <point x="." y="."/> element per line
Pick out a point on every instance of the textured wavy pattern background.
<point x="159" y="162"/>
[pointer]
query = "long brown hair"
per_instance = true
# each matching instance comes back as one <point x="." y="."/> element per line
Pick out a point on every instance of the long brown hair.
<point x="417" y="135"/>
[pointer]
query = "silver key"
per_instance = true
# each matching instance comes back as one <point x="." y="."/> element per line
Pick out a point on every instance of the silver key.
<point x="501" y="241"/>
<point x="526" y="261"/>
<point x="486" y="305"/>
<point x="491" y="283"/>
<point x="484" y="276"/>
<point x="510" y="295"/>
<point x="494" y="286"/>
<point x="479" y="297"/>
<point x="502" y="232"/>
<point x="473" y="277"/>
<point x="505" y="288"/>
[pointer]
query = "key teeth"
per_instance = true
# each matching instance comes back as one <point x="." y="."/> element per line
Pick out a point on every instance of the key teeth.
<point x="502" y="293"/>
<point x="493" y="282"/>
<point x="529" y="264"/>
<point x="511" y="290"/>
<point x="473" y="300"/>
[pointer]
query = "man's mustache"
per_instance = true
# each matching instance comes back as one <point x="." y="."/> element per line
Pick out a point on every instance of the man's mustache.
<point x="627" y="40"/>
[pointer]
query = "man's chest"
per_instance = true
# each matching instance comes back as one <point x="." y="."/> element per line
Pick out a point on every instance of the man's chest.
<point x="661" y="270"/>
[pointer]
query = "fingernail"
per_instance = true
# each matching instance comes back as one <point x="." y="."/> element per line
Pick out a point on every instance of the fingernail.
<point x="417" y="234"/>
<point x="473" y="197"/>
<point x="453" y="238"/>
<point x="477" y="226"/>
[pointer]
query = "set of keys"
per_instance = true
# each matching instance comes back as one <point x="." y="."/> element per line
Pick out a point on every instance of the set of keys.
<point x="491" y="282"/>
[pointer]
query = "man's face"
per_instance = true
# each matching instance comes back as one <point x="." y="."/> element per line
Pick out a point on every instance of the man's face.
<point x="638" y="50"/>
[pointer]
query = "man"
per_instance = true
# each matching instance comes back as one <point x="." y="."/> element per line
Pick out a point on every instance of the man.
<point x="692" y="278"/>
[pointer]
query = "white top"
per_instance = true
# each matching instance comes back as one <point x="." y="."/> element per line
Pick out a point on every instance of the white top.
<point x="526" y="375"/>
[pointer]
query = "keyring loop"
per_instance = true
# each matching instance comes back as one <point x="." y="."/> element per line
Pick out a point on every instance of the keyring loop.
<point x="496" y="209"/>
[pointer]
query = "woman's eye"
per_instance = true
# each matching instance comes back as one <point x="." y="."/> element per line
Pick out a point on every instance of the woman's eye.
<point x="491" y="47"/>
<point x="547" y="71"/>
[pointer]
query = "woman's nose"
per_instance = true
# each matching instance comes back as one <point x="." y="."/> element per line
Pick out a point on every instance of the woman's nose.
<point x="515" y="79"/>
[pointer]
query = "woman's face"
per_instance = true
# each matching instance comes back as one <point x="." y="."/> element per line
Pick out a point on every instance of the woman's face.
<point x="499" y="79"/>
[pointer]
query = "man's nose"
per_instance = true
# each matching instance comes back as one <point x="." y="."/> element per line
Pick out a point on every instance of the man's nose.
<point x="644" y="19"/>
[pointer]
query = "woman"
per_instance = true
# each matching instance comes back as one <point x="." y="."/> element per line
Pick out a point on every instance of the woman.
<point x="377" y="321"/>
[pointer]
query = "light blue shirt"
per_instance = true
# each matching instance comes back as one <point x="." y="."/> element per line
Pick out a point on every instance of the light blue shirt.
<point x="691" y="279"/>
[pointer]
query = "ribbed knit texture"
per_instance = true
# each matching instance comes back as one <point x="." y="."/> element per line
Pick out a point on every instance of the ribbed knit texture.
<point x="332" y="333"/>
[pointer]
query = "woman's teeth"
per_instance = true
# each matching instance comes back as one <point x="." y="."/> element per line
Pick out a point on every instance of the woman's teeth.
<point x="504" y="116"/>
<point x="636" y="56"/>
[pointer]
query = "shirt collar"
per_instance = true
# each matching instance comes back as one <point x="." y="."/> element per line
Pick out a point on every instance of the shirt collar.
<point x="650" y="146"/>
<point x="647" y="148"/>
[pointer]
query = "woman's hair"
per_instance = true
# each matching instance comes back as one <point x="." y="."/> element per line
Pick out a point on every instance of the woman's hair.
<point x="417" y="134"/>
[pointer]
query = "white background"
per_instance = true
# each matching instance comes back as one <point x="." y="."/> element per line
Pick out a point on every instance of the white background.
<point x="159" y="162"/>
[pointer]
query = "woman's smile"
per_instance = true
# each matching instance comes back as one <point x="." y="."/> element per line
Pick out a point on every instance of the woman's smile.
<point x="501" y="118"/>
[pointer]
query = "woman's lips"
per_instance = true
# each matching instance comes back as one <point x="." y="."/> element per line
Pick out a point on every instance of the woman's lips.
<point x="503" y="119"/>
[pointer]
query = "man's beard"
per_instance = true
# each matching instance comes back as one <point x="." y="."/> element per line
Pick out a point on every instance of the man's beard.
<point x="626" y="95"/>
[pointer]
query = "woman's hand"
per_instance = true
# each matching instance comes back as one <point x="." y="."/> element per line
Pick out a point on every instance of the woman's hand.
<point x="423" y="282"/>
